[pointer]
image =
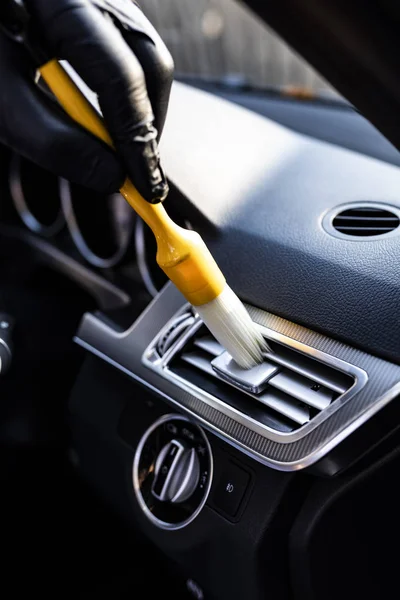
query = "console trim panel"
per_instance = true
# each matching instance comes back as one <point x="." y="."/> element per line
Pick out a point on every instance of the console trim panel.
<point x="125" y="350"/>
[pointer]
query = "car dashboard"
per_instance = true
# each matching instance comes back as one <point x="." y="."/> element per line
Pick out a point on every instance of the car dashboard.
<point x="239" y="478"/>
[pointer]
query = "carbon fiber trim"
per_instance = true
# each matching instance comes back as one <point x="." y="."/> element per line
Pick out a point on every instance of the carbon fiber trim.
<point x="125" y="352"/>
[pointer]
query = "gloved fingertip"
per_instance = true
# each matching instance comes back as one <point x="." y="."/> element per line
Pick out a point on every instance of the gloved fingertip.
<point x="158" y="186"/>
<point x="159" y="193"/>
<point x="105" y="175"/>
<point x="114" y="182"/>
<point x="139" y="150"/>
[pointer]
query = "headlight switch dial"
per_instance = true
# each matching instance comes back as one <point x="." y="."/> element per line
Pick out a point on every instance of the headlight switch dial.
<point x="172" y="471"/>
<point x="177" y="473"/>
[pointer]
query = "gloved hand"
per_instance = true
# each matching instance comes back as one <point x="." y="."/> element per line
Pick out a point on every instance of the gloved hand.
<point x="120" y="56"/>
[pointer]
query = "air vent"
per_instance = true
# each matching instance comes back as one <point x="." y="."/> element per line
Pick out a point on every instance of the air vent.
<point x="363" y="220"/>
<point x="174" y="331"/>
<point x="285" y="393"/>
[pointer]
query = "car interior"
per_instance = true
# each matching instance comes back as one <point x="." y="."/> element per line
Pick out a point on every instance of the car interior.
<point x="136" y="461"/>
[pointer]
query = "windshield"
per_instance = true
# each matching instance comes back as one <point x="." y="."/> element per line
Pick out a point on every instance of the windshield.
<point x="222" y="40"/>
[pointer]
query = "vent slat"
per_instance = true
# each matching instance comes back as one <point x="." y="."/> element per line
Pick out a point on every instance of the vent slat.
<point x="354" y="228"/>
<point x="365" y="210"/>
<point x="275" y="399"/>
<point x="319" y="373"/>
<point x="285" y="406"/>
<point x="302" y="389"/>
<point x="363" y="232"/>
<point x="209" y="344"/>
<point x="365" y="221"/>
<point x="290" y="398"/>
<point x="181" y="324"/>
<point x="196" y="359"/>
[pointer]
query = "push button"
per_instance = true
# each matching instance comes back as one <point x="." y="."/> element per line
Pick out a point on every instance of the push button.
<point x="231" y="489"/>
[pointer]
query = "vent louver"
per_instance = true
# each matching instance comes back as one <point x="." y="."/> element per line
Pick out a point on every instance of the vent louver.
<point x="177" y="328"/>
<point x="296" y="389"/>
<point x="366" y="221"/>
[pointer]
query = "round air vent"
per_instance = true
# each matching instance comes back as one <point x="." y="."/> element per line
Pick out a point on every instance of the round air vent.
<point x="360" y="221"/>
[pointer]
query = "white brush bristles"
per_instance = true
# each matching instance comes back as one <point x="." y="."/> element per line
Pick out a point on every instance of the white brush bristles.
<point x="231" y="324"/>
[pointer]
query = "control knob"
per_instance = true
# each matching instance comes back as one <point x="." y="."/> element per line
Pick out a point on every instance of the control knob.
<point x="177" y="472"/>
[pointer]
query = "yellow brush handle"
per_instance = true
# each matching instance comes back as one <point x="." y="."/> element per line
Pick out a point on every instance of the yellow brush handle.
<point x="181" y="253"/>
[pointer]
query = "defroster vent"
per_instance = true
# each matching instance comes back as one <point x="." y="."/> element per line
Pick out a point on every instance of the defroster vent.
<point x="362" y="220"/>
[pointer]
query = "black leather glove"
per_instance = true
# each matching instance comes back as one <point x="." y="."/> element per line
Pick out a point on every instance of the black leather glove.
<point x="120" y="56"/>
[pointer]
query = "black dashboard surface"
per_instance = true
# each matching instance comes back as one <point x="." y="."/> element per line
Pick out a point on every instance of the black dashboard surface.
<point x="263" y="190"/>
<point x="328" y="120"/>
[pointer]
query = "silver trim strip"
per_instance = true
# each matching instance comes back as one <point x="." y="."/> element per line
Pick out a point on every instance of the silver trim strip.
<point x="135" y="475"/>
<point x="298" y="465"/>
<point x="124" y="351"/>
<point x="5" y="361"/>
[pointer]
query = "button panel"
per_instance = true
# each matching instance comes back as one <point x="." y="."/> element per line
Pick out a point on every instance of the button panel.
<point x="231" y="489"/>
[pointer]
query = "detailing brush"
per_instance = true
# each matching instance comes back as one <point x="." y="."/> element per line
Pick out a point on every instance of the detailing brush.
<point x="181" y="253"/>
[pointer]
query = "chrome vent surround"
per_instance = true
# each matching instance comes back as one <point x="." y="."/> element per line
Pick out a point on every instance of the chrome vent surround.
<point x="293" y="389"/>
<point x="363" y="221"/>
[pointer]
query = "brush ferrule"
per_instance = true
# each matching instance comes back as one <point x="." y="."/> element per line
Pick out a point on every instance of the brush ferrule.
<point x="188" y="263"/>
